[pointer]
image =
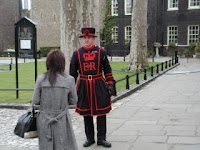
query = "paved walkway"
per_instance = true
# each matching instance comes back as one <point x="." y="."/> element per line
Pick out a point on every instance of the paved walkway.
<point x="164" y="115"/>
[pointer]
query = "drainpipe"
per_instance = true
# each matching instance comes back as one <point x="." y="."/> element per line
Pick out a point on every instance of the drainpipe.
<point x="162" y="26"/>
<point x="20" y="9"/>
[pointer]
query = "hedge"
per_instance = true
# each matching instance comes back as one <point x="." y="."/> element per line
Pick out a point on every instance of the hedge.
<point x="44" y="50"/>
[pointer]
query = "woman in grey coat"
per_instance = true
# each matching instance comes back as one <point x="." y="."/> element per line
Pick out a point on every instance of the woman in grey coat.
<point x="54" y="91"/>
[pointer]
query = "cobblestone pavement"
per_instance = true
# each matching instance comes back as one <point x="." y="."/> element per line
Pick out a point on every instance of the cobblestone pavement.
<point x="9" y="141"/>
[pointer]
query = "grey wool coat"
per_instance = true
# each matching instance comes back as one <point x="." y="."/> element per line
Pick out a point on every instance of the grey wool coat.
<point x="54" y="124"/>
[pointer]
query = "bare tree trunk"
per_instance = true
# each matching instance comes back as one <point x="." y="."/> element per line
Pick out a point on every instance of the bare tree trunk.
<point x="74" y="15"/>
<point x="138" y="48"/>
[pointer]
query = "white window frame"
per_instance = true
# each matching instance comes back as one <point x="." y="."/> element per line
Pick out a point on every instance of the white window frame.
<point x="193" y="7"/>
<point x="170" y="2"/>
<point x="193" y="34"/>
<point x="26" y="4"/>
<point x="114" y="7"/>
<point x="127" y="34"/>
<point x="125" y="7"/>
<point x="115" y="34"/>
<point x="173" y="35"/>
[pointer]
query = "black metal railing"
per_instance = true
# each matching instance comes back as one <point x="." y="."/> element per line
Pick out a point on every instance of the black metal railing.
<point x="153" y="71"/>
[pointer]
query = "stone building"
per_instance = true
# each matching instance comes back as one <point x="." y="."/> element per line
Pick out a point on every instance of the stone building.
<point x="168" y="21"/>
<point x="9" y="15"/>
<point x="46" y="15"/>
<point x="11" y="11"/>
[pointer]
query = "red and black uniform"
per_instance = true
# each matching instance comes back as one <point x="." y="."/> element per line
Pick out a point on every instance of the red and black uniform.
<point x="95" y="73"/>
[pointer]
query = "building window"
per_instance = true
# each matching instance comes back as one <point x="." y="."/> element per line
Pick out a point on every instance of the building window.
<point x="114" y="8"/>
<point x="172" y="34"/>
<point x="193" y="34"/>
<point x="127" y="34"/>
<point x="128" y="7"/>
<point x="115" y="34"/>
<point x="172" y="4"/>
<point x="194" y="4"/>
<point x="26" y="4"/>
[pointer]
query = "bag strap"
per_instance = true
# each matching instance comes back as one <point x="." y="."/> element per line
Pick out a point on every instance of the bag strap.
<point x="33" y="111"/>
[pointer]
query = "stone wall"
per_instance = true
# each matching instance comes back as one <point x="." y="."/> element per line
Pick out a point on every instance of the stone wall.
<point x="46" y="15"/>
<point x="9" y="15"/>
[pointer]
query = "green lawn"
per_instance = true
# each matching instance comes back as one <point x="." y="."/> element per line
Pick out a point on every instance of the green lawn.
<point x="26" y="80"/>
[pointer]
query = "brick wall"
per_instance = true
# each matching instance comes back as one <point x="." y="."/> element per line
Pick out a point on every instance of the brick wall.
<point x="183" y="17"/>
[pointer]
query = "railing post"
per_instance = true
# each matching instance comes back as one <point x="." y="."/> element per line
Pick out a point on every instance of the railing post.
<point x="127" y="82"/>
<point x="169" y="63"/>
<point x="176" y="57"/>
<point x="162" y="66"/>
<point x="145" y="74"/>
<point x="152" y="71"/>
<point x="137" y="78"/>
<point x="166" y="65"/>
<point x="172" y="61"/>
<point x="115" y="94"/>
<point x="10" y="66"/>
<point x="157" y="68"/>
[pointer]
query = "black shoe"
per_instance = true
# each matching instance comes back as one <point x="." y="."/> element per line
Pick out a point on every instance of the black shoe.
<point x="88" y="143"/>
<point x="104" y="143"/>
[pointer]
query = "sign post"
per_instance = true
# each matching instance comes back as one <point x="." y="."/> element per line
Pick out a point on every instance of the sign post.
<point x="25" y="44"/>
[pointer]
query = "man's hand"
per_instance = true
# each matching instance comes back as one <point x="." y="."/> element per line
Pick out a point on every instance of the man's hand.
<point x="111" y="90"/>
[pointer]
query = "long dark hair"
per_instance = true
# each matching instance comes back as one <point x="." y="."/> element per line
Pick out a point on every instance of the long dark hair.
<point x="55" y="63"/>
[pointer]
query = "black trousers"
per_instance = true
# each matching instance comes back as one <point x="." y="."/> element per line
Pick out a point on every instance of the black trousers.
<point x="101" y="127"/>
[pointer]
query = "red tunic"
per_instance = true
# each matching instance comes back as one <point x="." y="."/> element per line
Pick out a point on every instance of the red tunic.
<point x="94" y="69"/>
